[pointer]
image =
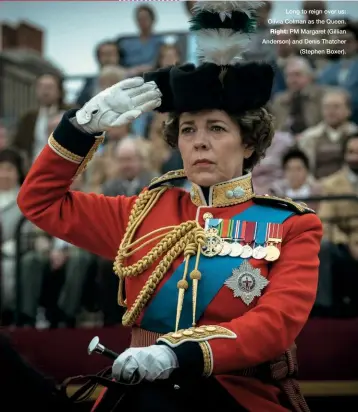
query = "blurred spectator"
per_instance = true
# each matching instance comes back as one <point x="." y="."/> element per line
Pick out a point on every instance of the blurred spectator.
<point x="285" y="50"/>
<point x="164" y="157"/>
<point x="130" y="175"/>
<point x="168" y="55"/>
<point x="4" y="137"/>
<point x="139" y="53"/>
<point x="258" y="49"/>
<point x="161" y="150"/>
<point x="53" y="122"/>
<point x="131" y="169"/>
<point x="323" y="143"/>
<point x="297" y="182"/>
<point x="107" y="54"/>
<point x="97" y="174"/>
<point x="32" y="131"/>
<point x="338" y="281"/>
<point x="299" y="106"/>
<point x="115" y="134"/>
<point x="270" y="169"/>
<point x="315" y="13"/>
<point x="110" y="75"/>
<point x="45" y="258"/>
<point x="53" y="276"/>
<point x="341" y="216"/>
<point x="11" y="178"/>
<point x="344" y="72"/>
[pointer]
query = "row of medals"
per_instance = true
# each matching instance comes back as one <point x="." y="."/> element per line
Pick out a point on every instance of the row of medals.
<point x="234" y="248"/>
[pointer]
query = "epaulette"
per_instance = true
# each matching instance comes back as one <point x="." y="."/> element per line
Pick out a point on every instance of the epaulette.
<point x="167" y="178"/>
<point x="286" y="203"/>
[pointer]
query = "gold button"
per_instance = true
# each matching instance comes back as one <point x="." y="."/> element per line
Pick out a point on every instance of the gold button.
<point x="176" y="335"/>
<point x="188" y="332"/>
<point x="207" y="215"/>
<point x="211" y="328"/>
<point x="199" y="330"/>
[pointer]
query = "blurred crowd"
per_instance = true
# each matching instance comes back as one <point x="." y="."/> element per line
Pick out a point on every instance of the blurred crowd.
<point x="314" y="156"/>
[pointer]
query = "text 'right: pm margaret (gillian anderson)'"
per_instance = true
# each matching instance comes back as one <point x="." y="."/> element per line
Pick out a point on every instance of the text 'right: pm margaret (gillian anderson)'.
<point x="312" y="32"/>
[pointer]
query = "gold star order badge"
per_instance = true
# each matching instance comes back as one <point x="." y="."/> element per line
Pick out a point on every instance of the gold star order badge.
<point x="246" y="282"/>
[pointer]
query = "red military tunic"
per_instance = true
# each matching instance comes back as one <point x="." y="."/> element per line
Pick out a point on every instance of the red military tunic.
<point x="255" y="333"/>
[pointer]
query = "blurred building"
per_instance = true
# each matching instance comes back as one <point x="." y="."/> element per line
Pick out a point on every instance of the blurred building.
<point x="21" y="61"/>
<point x="22" y="36"/>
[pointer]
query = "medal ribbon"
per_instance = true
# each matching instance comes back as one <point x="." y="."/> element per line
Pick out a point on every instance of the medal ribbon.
<point x="212" y="223"/>
<point x="261" y="233"/>
<point x="248" y="231"/>
<point x="237" y="230"/>
<point x="274" y="234"/>
<point x="227" y="228"/>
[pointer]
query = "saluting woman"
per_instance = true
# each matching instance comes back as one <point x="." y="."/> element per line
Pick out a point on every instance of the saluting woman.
<point x="218" y="282"/>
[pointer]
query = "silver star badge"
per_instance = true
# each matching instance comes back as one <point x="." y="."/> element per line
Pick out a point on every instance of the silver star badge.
<point x="246" y="282"/>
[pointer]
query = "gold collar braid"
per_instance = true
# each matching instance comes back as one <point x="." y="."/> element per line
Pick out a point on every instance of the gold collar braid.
<point x="232" y="192"/>
<point x="188" y="237"/>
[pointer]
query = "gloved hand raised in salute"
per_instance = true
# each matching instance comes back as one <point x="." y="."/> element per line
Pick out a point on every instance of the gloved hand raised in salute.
<point x="118" y="105"/>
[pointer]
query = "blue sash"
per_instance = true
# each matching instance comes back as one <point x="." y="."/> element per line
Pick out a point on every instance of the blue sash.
<point x="160" y="313"/>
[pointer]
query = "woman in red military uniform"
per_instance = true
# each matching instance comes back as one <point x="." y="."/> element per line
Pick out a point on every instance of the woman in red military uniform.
<point x="217" y="282"/>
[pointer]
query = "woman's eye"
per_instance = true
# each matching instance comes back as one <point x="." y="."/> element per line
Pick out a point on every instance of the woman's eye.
<point x="217" y="128"/>
<point x="186" y="130"/>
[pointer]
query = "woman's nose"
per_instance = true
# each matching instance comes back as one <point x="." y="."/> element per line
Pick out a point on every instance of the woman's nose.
<point x="200" y="145"/>
<point x="200" y="141"/>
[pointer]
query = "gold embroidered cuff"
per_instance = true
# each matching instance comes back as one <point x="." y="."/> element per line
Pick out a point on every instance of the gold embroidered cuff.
<point x="208" y="359"/>
<point x="89" y="156"/>
<point x="198" y="334"/>
<point x="61" y="151"/>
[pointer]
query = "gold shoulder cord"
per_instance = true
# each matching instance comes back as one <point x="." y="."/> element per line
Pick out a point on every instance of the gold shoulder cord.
<point x="188" y="237"/>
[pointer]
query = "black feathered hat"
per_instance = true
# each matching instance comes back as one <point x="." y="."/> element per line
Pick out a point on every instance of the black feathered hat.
<point x="223" y="81"/>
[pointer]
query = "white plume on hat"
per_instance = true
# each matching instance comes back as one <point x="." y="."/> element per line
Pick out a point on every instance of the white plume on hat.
<point x="223" y="29"/>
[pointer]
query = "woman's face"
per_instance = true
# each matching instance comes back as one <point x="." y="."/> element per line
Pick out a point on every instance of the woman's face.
<point x="211" y="147"/>
<point x="9" y="177"/>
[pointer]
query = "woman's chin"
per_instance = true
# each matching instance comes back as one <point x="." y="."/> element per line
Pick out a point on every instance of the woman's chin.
<point x="204" y="178"/>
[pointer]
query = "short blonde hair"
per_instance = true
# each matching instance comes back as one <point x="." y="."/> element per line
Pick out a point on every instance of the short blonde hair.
<point x="338" y="91"/>
<point x="301" y="63"/>
<point x="113" y="74"/>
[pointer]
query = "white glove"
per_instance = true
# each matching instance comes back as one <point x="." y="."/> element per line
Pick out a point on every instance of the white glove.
<point x="151" y="363"/>
<point x="118" y="105"/>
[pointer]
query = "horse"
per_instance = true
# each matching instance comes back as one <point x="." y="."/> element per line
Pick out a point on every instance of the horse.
<point x="23" y="387"/>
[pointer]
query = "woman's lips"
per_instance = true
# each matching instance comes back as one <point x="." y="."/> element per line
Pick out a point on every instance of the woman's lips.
<point x="203" y="162"/>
